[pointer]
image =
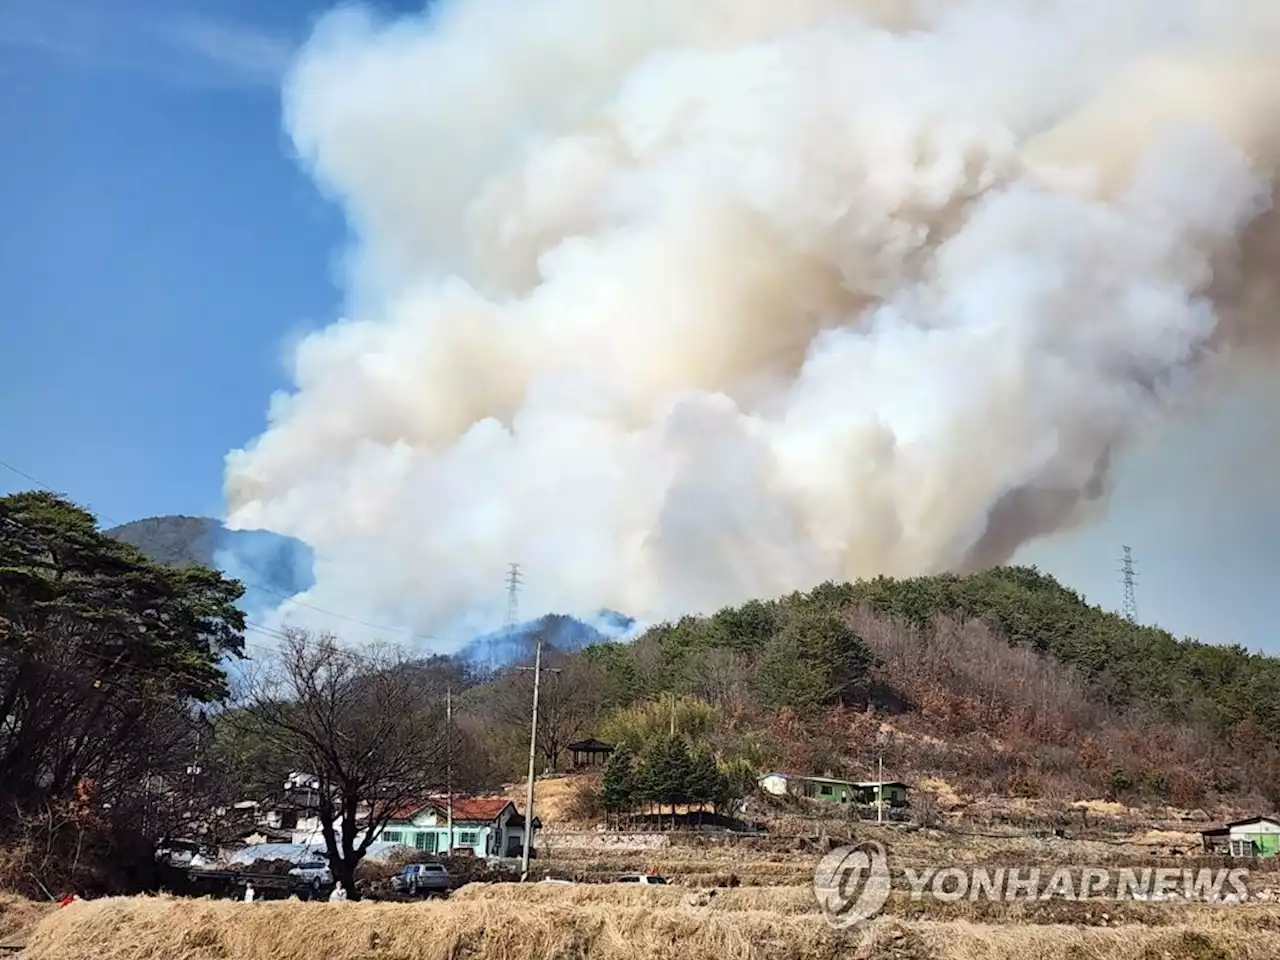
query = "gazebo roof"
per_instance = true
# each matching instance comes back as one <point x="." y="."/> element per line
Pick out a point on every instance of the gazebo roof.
<point x="592" y="746"/>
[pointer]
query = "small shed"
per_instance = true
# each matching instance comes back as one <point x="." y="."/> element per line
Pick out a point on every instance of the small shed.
<point x="892" y="792"/>
<point x="1251" y="837"/>
<point x="586" y="754"/>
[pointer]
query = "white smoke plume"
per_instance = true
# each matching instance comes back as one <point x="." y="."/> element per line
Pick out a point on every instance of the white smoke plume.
<point x="683" y="302"/>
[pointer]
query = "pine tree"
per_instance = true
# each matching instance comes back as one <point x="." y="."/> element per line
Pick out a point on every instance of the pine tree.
<point x="619" y="789"/>
<point x="816" y="660"/>
<point x="707" y="783"/>
<point x="667" y="769"/>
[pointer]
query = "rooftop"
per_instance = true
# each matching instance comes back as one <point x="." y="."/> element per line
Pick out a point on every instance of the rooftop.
<point x="590" y="745"/>
<point x="844" y="783"/>
<point x="1220" y="831"/>
<point x="469" y="809"/>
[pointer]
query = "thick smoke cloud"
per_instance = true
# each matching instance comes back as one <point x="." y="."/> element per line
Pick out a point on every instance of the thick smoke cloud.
<point x="687" y="301"/>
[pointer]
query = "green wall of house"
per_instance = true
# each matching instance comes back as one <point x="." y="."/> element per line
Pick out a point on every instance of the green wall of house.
<point x="893" y="795"/>
<point x="435" y="839"/>
<point x="838" y="792"/>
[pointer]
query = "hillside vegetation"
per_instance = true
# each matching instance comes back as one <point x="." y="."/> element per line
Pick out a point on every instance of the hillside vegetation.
<point x="1005" y="680"/>
<point x="1123" y="663"/>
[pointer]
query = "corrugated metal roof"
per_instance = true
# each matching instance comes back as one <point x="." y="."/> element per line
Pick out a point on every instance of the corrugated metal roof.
<point x="302" y="852"/>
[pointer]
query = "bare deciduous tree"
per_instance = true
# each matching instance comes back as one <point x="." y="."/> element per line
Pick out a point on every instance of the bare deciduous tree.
<point x="358" y="722"/>
<point x="569" y="702"/>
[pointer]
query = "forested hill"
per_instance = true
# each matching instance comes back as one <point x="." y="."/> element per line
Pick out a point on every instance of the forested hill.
<point x="793" y="646"/>
<point x="1123" y="663"/>
<point x="265" y="560"/>
<point x="1003" y="682"/>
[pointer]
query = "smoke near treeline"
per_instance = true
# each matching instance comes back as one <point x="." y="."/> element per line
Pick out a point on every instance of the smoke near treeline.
<point x="683" y="302"/>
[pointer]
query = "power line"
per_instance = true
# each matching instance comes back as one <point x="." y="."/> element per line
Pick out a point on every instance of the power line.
<point x="26" y="476"/>
<point x="342" y="616"/>
<point x="1127" y="579"/>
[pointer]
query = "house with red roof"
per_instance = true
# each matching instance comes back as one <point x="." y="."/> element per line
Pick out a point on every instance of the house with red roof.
<point x="488" y="826"/>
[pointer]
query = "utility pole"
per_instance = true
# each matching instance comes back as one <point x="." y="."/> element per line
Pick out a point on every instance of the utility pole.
<point x="673" y="716"/>
<point x="1128" y="578"/>
<point x="880" y="789"/>
<point x="448" y="763"/>
<point x="194" y="769"/>
<point x="533" y="752"/>
<point x="533" y="743"/>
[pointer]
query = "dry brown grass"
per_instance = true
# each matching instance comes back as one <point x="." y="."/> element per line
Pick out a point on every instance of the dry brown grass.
<point x="542" y="922"/>
<point x="18" y="914"/>
<point x="707" y="860"/>
<point x="151" y="929"/>
<point x="553" y="799"/>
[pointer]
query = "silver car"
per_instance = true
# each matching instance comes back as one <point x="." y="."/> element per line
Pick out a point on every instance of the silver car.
<point x="314" y="873"/>
<point x="430" y="879"/>
<point x="648" y="879"/>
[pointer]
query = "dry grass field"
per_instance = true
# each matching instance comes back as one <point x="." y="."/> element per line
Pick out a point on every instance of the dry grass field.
<point x="549" y="922"/>
<point x="18" y="914"/>
<point x="766" y="912"/>
<point x="771" y="860"/>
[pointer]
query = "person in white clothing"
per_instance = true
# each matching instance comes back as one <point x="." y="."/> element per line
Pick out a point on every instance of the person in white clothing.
<point x="339" y="893"/>
<point x="248" y="893"/>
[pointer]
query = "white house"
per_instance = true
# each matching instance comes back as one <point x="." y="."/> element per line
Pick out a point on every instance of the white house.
<point x="1252" y="837"/>
<point x="487" y="826"/>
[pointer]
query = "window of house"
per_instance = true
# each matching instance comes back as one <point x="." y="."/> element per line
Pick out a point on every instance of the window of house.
<point x="1242" y="847"/>
<point x="468" y="838"/>
<point x="425" y="841"/>
<point x="825" y="789"/>
<point x="392" y="836"/>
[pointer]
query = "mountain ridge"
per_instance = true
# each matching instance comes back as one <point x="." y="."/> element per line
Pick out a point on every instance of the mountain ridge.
<point x="279" y="566"/>
<point x="258" y="558"/>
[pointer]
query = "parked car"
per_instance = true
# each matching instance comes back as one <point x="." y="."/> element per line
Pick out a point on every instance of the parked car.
<point x="651" y="879"/>
<point x="314" y="873"/>
<point x="423" y="879"/>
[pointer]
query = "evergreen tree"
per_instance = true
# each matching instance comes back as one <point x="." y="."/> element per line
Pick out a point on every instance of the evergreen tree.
<point x="667" y="770"/>
<point x="815" y="661"/>
<point x="619" y="789"/>
<point x="707" y="783"/>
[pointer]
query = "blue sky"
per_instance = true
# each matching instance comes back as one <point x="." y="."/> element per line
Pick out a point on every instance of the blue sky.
<point x="160" y="246"/>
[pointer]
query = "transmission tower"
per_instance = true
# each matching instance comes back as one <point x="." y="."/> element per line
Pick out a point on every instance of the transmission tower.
<point x="513" y="594"/>
<point x="1128" y="578"/>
